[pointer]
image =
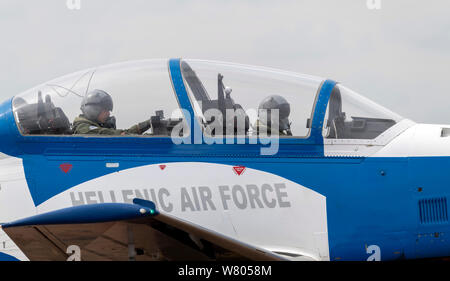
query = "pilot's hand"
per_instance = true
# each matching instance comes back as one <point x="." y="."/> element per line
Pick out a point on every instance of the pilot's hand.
<point x="144" y="126"/>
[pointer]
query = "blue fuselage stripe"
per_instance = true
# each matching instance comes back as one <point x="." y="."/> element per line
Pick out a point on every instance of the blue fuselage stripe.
<point x="6" y="257"/>
<point x="181" y="93"/>
<point x="320" y="111"/>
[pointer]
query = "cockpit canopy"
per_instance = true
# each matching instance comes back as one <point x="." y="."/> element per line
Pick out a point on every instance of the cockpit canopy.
<point x="248" y="99"/>
<point x="351" y="116"/>
<point x="140" y="90"/>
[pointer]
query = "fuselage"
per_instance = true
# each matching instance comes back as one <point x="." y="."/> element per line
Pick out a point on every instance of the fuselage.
<point x="353" y="182"/>
<point x="391" y="205"/>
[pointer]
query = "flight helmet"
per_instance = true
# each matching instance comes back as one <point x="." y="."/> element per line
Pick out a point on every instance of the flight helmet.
<point x="94" y="103"/>
<point x="271" y="103"/>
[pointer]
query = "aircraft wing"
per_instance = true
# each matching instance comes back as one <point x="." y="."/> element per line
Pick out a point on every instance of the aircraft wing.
<point x="117" y="231"/>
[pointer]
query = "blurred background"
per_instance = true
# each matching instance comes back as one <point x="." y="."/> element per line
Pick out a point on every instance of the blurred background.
<point x="395" y="52"/>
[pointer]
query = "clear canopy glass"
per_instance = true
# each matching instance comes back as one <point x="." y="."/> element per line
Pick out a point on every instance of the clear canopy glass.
<point x="139" y="90"/>
<point x="247" y="91"/>
<point x="253" y="100"/>
<point x="352" y="116"/>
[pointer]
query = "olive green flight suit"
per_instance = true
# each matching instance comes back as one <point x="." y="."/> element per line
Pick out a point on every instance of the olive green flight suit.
<point x="263" y="129"/>
<point x="82" y="125"/>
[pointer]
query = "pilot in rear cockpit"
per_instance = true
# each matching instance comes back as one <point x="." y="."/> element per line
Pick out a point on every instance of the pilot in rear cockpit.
<point x="266" y="123"/>
<point x="96" y="120"/>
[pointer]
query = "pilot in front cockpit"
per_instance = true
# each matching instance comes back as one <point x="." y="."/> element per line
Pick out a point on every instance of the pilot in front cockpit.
<point x="266" y="123"/>
<point x="96" y="120"/>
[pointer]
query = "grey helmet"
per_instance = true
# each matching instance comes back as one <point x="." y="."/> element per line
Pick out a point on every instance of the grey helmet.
<point x="94" y="103"/>
<point x="275" y="102"/>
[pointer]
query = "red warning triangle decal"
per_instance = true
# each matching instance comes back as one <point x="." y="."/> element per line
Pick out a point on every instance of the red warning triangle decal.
<point x="239" y="170"/>
<point x="65" y="167"/>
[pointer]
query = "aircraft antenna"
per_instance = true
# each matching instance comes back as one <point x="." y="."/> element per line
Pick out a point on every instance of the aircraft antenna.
<point x="89" y="83"/>
<point x="63" y="95"/>
<point x="71" y="88"/>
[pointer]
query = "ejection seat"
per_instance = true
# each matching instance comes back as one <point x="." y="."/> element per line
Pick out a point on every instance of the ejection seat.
<point x="41" y="118"/>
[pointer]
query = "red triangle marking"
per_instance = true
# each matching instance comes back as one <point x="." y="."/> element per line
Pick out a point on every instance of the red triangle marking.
<point x="162" y="167"/>
<point x="65" y="167"/>
<point x="239" y="170"/>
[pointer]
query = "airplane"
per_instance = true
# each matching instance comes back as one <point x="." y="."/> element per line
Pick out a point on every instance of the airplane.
<point x="337" y="178"/>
